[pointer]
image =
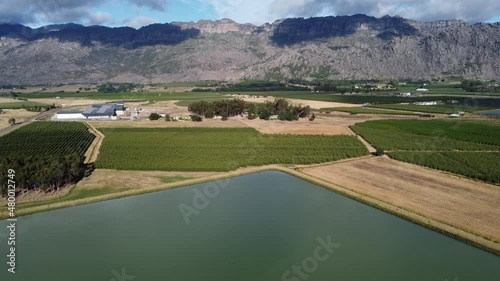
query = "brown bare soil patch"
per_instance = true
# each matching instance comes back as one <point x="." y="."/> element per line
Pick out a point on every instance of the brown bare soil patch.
<point x="18" y="114"/>
<point x="101" y="178"/>
<point x="462" y="203"/>
<point x="324" y="124"/>
<point x="313" y="104"/>
<point x="206" y="123"/>
<point x="9" y="100"/>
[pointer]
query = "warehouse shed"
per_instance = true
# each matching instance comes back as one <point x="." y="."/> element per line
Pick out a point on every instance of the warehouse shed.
<point x="70" y="115"/>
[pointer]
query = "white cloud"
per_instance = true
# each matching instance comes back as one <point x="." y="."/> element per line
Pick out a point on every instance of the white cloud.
<point x="36" y="12"/>
<point x="260" y="11"/>
<point x="101" y="18"/>
<point x="139" y="21"/>
<point x="153" y="4"/>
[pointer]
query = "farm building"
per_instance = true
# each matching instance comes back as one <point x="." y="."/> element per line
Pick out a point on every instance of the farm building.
<point x="104" y="111"/>
<point x="422" y="90"/>
<point x="426" y="103"/>
<point x="75" y="114"/>
<point x="97" y="111"/>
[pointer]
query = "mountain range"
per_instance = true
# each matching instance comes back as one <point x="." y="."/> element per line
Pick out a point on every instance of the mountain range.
<point x="340" y="47"/>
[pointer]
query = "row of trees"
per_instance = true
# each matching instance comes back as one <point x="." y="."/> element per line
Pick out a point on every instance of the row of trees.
<point x="109" y="88"/>
<point x="222" y="108"/>
<point x="479" y="86"/>
<point x="41" y="172"/>
<point x="281" y="107"/>
<point x="38" y="108"/>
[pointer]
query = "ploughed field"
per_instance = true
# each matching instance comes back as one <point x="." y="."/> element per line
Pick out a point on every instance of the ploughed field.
<point x="466" y="147"/>
<point x="217" y="149"/>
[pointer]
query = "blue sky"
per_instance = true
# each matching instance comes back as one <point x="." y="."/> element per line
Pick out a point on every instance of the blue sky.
<point x="175" y="10"/>
<point x="137" y="13"/>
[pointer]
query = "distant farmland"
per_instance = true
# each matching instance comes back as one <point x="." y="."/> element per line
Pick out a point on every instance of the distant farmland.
<point x="217" y="149"/>
<point x="19" y="105"/>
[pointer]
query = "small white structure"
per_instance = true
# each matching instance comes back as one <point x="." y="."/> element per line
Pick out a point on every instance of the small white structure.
<point x="69" y="115"/>
<point x="422" y="90"/>
<point x="405" y="94"/>
<point x="426" y="103"/>
<point x="454" y="115"/>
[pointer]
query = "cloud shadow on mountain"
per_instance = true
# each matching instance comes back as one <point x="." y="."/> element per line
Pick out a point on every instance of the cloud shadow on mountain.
<point x="127" y="37"/>
<point x="298" y="30"/>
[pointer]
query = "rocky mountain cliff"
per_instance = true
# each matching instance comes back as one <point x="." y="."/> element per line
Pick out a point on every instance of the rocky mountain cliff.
<point x="343" y="47"/>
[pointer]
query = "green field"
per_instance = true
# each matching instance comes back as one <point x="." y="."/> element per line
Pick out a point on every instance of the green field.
<point x="211" y="149"/>
<point x="19" y="105"/>
<point x="439" y="108"/>
<point x="188" y="102"/>
<point x="367" y="110"/>
<point x="44" y="155"/>
<point x="153" y="96"/>
<point x="466" y="147"/>
<point x="475" y="165"/>
<point x="47" y="138"/>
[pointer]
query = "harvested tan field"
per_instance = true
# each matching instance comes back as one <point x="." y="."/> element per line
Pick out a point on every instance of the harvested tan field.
<point x="18" y="114"/>
<point x="65" y="102"/>
<point x="313" y="104"/>
<point x="9" y="100"/>
<point x="462" y="203"/>
<point x="101" y="178"/>
<point x="320" y="126"/>
<point x="324" y="124"/>
<point x="207" y="123"/>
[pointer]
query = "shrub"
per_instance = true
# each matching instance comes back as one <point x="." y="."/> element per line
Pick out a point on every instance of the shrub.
<point x="224" y="117"/>
<point x="312" y="117"/>
<point x="265" y="114"/>
<point x="379" y="152"/>
<point x="168" y="118"/>
<point x="196" y="118"/>
<point x="154" y="116"/>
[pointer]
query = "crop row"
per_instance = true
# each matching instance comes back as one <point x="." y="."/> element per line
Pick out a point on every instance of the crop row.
<point x="476" y="165"/>
<point x="47" y="138"/>
<point x="430" y="135"/>
<point x="195" y="149"/>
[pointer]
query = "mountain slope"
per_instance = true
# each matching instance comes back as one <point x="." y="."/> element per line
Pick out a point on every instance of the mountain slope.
<point x="344" y="47"/>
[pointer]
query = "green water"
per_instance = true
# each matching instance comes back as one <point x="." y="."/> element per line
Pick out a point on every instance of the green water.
<point x="257" y="227"/>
